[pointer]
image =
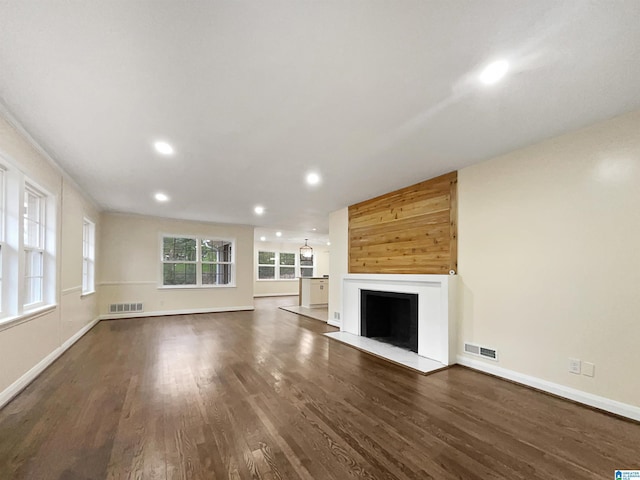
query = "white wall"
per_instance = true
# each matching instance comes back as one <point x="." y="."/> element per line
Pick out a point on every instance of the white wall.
<point x="548" y="258"/>
<point x="27" y="347"/>
<point x="266" y="288"/>
<point x="339" y="261"/>
<point x="130" y="259"/>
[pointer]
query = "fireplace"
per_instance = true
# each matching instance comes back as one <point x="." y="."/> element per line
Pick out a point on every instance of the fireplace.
<point x="390" y="317"/>
<point x="434" y="307"/>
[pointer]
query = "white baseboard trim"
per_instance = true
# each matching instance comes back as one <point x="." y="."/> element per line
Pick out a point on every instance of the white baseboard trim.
<point x="21" y="383"/>
<point x="333" y="323"/>
<point x="260" y="295"/>
<point x="188" y="311"/>
<point x="602" y="403"/>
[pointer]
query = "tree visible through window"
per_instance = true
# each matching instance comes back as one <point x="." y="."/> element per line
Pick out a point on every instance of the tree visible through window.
<point x="273" y="265"/>
<point x="189" y="261"/>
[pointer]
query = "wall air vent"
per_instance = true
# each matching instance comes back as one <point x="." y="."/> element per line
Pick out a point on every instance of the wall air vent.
<point x="125" y="307"/>
<point x="481" y="351"/>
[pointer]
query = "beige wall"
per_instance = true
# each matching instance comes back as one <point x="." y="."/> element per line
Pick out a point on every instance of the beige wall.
<point x="130" y="259"/>
<point x="339" y="261"/>
<point x="265" y="288"/>
<point x="23" y="346"/>
<point x="548" y="259"/>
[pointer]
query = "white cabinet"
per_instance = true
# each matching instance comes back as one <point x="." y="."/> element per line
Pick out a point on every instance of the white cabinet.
<point x="314" y="291"/>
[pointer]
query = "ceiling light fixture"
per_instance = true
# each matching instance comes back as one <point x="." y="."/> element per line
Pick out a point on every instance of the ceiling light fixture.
<point x="262" y="239"/>
<point x="278" y="234"/>
<point x="306" y="252"/>
<point x="313" y="178"/>
<point x="164" y="148"/>
<point x="259" y="210"/>
<point x="328" y="243"/>
<point x="494" y="72"/>
<point x="161" y="197"/>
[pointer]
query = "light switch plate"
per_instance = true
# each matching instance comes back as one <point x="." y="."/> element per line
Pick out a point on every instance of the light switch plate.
<point x="574" y="366"/>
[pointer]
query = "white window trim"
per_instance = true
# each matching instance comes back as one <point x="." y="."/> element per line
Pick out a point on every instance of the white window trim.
<point x="88" y="256"/>
<point x="14" y="309"/>
<point x="199" y="285"/>
<point x="3" y="246"/>
<point x="298" y="272"/>
<point x="40" y="248"/>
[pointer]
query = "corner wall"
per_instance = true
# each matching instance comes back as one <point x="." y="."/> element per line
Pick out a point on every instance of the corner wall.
<point x="338" y="262"/>
<point x="27" y="347"/>
<point x="548" y="258"/>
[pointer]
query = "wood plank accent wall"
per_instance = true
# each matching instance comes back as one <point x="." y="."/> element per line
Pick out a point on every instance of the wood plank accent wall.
<point x="411" y="230"/>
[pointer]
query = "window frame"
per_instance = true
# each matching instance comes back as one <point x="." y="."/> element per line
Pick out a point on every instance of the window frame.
<point x="277" y="266"/>
<point x="31" y="250"/>
<point x="88" y="256"/>
<point x="15" y="271"/>
<point x="198" y="262"/>
<point x="3" y="247"/>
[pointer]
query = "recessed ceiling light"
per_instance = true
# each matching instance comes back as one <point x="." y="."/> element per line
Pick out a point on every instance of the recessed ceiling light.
<point x="313" y="178"/>
<point x="494" y="72"/>
<point x="259" y="209"/>
<point x="314" y="229"/>
<point x="164" y="148"/>
<point x="161" y="197"/>
<point x="278" y="234"/>
<point x="328" y="243"/>
<point x="262" y="239"/>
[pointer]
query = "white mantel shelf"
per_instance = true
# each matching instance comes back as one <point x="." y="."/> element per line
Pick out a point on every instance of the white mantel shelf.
<point x="436" y="303"/>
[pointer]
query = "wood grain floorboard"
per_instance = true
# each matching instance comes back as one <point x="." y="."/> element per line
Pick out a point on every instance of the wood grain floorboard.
<point x="264" y="395"/>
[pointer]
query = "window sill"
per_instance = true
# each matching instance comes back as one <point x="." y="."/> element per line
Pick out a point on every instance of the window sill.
<point x="194" y="287"/>
<point x="24" y="317"/>
<point x="87" y="294"/>
<point x="278" y="280"/>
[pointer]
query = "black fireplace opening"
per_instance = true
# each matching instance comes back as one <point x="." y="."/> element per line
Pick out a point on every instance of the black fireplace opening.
<point x="390" y="317"/>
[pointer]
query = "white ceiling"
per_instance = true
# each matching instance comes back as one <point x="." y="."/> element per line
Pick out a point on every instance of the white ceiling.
<point x="374" y="95"/>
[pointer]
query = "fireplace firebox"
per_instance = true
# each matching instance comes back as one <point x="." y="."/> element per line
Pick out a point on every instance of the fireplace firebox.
<point x="390" y="317"/>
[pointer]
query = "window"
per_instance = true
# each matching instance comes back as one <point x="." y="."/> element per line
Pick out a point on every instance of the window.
<point x="33" y="246"/>
<point x="281" y="266"/>
<point x="27" y="245"/>
<point x="88" y="256"/>
<point x="216" y="262"/>
<point x="306" y="266"/>
<point x="287" y="266"/>
<point x="2" y="247"/>
<point x="196" y="262"/>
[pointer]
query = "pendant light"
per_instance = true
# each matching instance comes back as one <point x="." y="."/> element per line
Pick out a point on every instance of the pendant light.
<point x="306" y="252"/>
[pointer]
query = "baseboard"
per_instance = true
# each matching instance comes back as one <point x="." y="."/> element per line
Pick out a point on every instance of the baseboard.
<point x="21" y="383"/>
<point x="333" y="323"/>
<point x="595" y="401"/>
<point x="260" y="295"/>
<point x="187" y="311"/>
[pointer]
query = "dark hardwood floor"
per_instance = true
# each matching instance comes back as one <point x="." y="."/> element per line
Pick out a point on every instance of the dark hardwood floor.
<point x="265" y="395"/>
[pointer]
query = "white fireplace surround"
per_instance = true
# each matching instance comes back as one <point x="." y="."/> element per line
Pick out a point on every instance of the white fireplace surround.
<point x="436" y="319"/>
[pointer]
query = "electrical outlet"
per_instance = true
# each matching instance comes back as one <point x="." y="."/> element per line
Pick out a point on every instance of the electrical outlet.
<point x="574" y="365"/>
<point x="588" y="369"/>
<point x="336" y="315"/>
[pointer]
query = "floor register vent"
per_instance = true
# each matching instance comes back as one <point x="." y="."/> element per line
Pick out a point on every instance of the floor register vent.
<point x="125" y="307"/>
<point x="480" y="351"/>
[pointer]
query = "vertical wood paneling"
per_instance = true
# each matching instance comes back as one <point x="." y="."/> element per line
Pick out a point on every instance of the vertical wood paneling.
<point x="411" y="230"/>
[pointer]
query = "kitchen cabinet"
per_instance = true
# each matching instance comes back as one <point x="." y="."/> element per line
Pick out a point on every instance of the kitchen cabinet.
<point x="314" y="291"/>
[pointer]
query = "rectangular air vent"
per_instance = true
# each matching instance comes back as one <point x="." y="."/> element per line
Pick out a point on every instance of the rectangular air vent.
<point x="473" y="349"/>
<point x="125" y="307"/>
<point x="481" y="351"/>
